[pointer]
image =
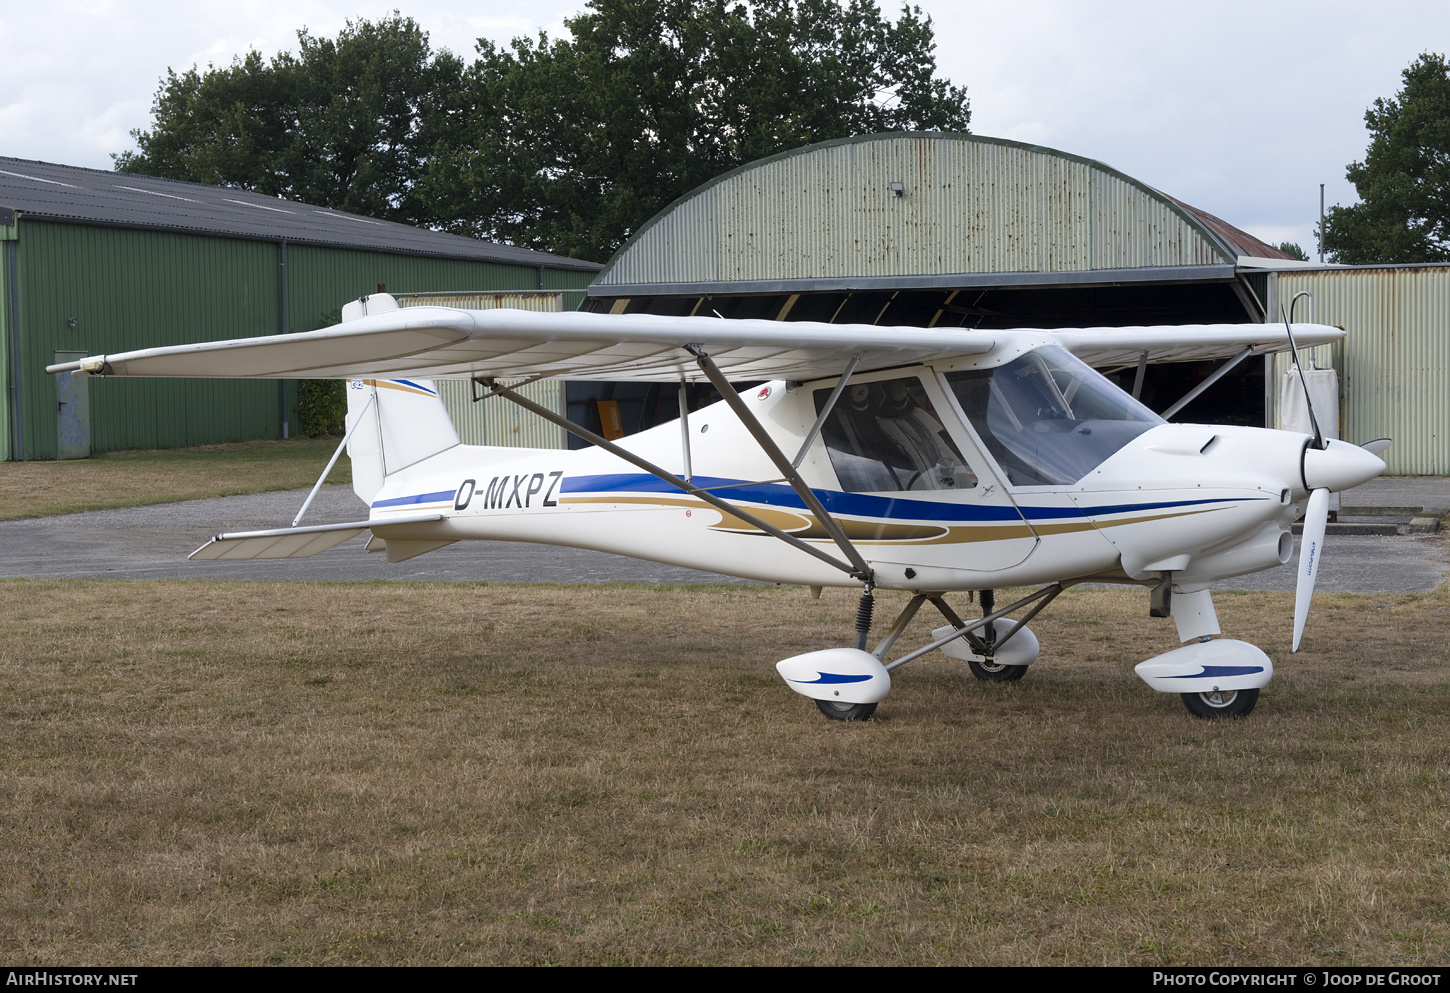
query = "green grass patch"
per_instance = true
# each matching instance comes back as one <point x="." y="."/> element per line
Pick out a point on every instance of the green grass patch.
<point x="184" y="779"/>
<point x="134" y="478"/>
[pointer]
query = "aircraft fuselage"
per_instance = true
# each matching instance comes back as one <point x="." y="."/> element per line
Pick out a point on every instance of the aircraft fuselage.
<point x="935" y="498"/>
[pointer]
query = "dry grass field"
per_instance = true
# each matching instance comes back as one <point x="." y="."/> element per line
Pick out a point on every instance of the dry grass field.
<point x="130" y="479"/>
<point x="240" y="773"/>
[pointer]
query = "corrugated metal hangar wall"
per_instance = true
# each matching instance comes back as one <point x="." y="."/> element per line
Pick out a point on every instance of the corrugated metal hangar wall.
<point x="1394" y="365"/>
<point x="99" y="262"/>
<point x="494" y="420"/>
<point x="827" y="213"/>
<point x="949" y="230"/>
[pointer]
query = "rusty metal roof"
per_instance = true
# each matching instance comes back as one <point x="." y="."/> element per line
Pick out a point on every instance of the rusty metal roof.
<point x="1237" y="241"/>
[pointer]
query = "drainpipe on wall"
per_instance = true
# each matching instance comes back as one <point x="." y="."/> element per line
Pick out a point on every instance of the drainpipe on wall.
<point x="282" y="319"/>
<point x="1271" y="379"/>
<point x="17" y="406"/>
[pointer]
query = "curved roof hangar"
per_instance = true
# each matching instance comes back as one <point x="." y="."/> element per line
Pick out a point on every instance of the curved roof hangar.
<point x="933" y="229"/>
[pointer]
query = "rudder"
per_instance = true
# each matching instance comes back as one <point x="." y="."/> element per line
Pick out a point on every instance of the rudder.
<point x="404" y="419"/>
<point x="404" y="423"/>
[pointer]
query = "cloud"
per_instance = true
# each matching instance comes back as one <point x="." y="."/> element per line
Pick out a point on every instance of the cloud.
<point x="1242" y="108"/>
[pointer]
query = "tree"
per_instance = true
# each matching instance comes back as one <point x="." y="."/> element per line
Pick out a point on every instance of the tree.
<point x="346" y="123"/>
<point x="1292" y="249"/>
<point x="1404" y="180"/>
<point x="567" y="146"/>
<point x="575" y="143"/>
<point x="322" y="403"/>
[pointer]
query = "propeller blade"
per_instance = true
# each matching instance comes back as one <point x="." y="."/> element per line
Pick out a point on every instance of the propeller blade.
<point x="1311" y="550"/>
<point x="1378" y="447"/>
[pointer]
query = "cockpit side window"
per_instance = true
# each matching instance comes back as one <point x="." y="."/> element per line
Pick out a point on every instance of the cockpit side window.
<point x="886" y="436"/>
<point x="1047" y="417"/>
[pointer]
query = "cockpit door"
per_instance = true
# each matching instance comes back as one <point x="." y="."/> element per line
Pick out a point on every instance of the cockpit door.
<point x="913" y="485"/>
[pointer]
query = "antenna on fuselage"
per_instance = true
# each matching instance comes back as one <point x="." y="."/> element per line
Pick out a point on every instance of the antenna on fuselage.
<point x="1294" y="348"/>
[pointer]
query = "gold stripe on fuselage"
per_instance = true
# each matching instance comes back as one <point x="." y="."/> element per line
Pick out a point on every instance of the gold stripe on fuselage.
<point x="806" y="527"/>
<point x="386" y="384"/>
<point x="1042" y="529"/>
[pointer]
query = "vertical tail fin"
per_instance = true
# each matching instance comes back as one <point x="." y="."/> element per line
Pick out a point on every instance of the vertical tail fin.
<point x="403" y="422"/>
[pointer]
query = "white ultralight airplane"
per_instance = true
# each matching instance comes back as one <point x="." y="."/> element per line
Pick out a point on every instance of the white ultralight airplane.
<point x="931" y="461"/>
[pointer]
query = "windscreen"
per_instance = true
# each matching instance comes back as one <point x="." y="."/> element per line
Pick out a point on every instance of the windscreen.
<point x="1047" y="417"/>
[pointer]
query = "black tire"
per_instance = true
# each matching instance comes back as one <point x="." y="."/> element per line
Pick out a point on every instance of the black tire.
<point x="994" y="672"/>
<point x="1228" y="703"/>
<point x="845" y="711"/>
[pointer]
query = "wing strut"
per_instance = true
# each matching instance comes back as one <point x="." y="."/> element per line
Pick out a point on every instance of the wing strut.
<point x="685" y="430"/>
<point x="826" y="410"/>
<point x="861" y="571"/>
<point x="787" y="469"/>
<point x="333" y="461"/>
<point x="1138" y="376"/>
<point x="1213" y="377"/>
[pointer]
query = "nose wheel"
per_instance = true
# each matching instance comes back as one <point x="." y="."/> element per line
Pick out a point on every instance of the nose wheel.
<point x="837" y="711"/>
<point x="847" y="683"/>
<point x="996" y="672"/>
<point x="1221" y="703"/>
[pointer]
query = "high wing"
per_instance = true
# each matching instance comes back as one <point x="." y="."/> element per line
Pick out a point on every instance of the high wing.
<point x="1107" y="347"/>
<point x="441" y="343"/>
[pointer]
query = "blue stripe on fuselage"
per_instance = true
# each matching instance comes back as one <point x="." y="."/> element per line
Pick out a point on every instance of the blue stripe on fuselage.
<point x="860" y="504"/>
<point x="415" y="498"/>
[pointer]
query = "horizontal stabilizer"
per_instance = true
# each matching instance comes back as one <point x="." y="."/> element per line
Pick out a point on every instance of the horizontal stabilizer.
<point x="293" y="543"/>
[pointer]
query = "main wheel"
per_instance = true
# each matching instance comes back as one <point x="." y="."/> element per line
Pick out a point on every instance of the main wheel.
<point x="837" y="711"/>
<point x="995" y="672"/>
<point x="1221" y="703"/>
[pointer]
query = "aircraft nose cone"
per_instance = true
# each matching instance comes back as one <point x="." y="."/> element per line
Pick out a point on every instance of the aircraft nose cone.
<point x="1339" y="466"/>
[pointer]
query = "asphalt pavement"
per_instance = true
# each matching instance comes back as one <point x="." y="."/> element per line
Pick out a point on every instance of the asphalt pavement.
<point x="153" y="542"/>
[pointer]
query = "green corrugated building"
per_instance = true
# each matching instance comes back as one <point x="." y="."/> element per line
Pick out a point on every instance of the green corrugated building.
<point x="97" y="262"/>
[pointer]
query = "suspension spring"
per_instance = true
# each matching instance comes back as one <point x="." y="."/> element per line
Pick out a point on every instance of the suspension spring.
<point x="864" y="607"/>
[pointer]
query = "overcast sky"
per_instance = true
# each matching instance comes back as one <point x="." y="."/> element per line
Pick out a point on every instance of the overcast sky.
<point x="1240" y="108"/>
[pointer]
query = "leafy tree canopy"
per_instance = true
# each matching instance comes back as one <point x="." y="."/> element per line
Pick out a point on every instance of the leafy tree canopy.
<point x="347" y="123"/>
<point x="1404" y="180"/>
<point x="565" y="145"/>
<point x="574" y="143"/>
<point x="1292" y="249"/>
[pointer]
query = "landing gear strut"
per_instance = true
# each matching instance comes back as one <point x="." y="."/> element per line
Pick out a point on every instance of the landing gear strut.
<point x="988" y="668"/>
